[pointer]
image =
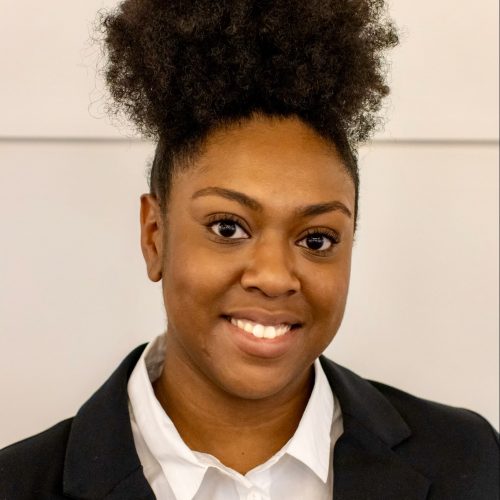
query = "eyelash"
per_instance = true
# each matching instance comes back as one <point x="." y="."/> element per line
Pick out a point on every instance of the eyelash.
<point x="332" y="236"/>
<point x="215" y="219"/>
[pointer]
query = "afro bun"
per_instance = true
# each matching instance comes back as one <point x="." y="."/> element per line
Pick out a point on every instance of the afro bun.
<point x="180" y="68"/>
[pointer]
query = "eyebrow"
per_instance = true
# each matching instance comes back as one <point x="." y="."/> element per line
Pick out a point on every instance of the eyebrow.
<point x="322" y="208"/>
<point x="243" y="199"/>
<point x="229" y="194"/>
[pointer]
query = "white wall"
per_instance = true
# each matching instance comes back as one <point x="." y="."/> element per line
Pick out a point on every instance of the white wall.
<point x="74" y="296"/>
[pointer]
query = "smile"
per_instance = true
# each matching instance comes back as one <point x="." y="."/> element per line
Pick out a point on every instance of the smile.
<point x="261" y="331"/>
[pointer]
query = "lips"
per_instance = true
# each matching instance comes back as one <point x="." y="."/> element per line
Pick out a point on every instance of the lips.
<point x="266" y="318"/>
<point x="260" y="331"/>
<point x="263" y="324"/>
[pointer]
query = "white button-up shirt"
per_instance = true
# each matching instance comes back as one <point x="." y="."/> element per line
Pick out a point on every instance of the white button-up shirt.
<point x="302" y="469"/>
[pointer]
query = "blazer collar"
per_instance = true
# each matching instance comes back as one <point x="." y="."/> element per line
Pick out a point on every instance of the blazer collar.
<point x="101" y="460"/>
<point x="365" y="462"/>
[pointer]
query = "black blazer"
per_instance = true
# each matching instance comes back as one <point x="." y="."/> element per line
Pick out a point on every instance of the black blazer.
<point x="394" y="447"/>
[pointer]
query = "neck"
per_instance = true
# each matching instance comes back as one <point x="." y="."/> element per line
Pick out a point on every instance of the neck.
<point x="241" y="433"/>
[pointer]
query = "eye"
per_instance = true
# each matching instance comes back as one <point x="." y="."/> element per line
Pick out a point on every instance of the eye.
<point x="319" y="241"/>
<point x="227" y="228"/>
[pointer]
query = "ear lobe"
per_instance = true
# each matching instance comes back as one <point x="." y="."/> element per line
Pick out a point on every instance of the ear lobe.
<point x="152" y="236"/>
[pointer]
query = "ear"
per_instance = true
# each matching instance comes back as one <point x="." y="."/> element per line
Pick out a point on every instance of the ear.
<point x="152" y="236"/>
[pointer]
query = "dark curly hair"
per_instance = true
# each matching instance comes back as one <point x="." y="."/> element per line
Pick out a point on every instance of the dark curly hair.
<point x="180" y="69"/>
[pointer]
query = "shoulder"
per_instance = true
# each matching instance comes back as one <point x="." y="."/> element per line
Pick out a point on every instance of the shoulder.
<point x="425" y="418"/>
<point x="92" y="451"/>
<point x="456" y="449"/>
<point x="434" y="419"/>
<point x="446" y="439"/>
<point x="35" y="465"/>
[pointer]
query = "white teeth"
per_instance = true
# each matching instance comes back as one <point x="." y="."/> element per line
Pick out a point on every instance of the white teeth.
<point x="270" y="332"/>
<point x="258" y="331"/>
<point x="281" y="330"/>
<point x="261" y="331"/>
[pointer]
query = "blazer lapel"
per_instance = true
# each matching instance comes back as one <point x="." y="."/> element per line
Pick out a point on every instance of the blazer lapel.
<point x="366" y="464"/>
<point x="101" y="460"/>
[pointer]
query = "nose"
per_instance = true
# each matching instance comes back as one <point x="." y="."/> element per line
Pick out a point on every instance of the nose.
<point x="271" y="269"/>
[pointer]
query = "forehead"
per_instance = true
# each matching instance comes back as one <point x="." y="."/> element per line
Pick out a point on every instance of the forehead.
<point x="280" y="162"/>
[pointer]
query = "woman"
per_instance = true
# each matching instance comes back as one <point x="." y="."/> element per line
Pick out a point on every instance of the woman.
<point x="257" y="108"/>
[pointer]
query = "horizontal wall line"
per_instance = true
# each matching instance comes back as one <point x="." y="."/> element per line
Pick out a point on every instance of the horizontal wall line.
<point x="52" y="139"/>
<point x="382" y="141"/>
<point x="436" y="142"/>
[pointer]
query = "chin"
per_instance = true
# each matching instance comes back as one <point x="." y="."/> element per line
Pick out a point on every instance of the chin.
<point x="257" y="382"/>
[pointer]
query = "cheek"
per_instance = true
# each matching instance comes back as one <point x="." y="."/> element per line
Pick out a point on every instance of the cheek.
<point x="331" y="299"/>
<point x="194" y="280"/>
<point x="328" y="290"/>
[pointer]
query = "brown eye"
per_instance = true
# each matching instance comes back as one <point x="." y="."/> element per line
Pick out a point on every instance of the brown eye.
<point x="318" y="242"/>
<point x="228" y="229"/>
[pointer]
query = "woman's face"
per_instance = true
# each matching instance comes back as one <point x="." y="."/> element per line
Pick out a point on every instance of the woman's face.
<point x="257" y="241"/>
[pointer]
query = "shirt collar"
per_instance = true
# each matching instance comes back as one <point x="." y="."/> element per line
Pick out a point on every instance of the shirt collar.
<point x="182" y="468"/>
<point x="308" y="444"/>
